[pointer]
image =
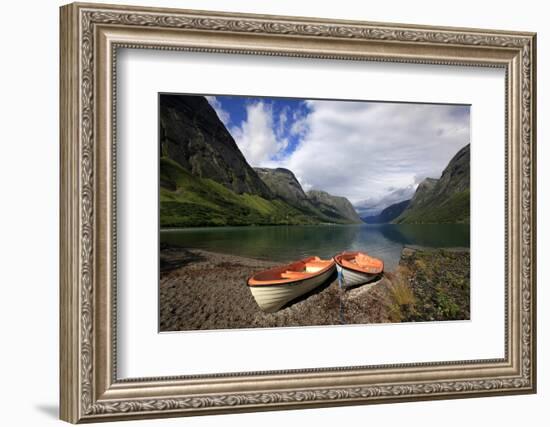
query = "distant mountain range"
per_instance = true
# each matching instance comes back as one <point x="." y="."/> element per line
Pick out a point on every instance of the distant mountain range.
<point x="443" y="200"/>
<point x="373" y="206"/>
<point x="205" y="180"/>
<point x="320" y="204"/>
<point x="388" y="214"/>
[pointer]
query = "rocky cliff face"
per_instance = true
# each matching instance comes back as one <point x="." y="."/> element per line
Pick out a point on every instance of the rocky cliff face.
<point x="443" y="200"/>
<point x="192" y="135"/>
<point x="333" y="205"/>
<point x="456" y="176"/>
<point x="282" y="183"/>
<point x="423" y="193"/>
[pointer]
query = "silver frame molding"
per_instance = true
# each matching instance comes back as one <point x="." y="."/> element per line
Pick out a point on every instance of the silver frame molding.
<point x="90" y="37"/>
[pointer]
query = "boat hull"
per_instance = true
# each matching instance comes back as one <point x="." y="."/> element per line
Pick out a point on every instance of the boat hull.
<point x="350" y="278"/>
<point x="271" y="298"/>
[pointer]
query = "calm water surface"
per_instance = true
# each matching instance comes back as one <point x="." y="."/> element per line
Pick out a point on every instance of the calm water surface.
<point x="288" y="243"/>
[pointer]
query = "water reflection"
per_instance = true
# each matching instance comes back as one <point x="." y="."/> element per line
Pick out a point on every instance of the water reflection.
<point x="287" y="243"/>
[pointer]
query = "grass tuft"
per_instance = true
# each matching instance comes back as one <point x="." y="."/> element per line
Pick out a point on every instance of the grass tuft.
<point x="402" y="300"/>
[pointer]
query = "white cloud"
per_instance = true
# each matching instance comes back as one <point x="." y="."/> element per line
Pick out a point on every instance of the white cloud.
<point x="283" y="119"/>
<point x="256" y="137"/>
<point x="373" y="205"/>
<point x="364" y="151"/>
<point x="217" y="106"/>
<point x="299" y="124"/>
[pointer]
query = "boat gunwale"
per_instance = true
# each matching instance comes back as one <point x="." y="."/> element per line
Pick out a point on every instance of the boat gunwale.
<point x="356" y="270"/>
<point x="291" y="282"/>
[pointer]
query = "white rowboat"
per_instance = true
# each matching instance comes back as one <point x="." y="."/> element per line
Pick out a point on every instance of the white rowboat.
<point x="357" y="268"/>
<point x="274" y="288"/>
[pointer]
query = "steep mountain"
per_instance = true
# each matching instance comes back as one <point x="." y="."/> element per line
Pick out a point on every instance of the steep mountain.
<point x="424" y="193"/>
<point x="205" y="180"/>
<point x="388" y="214"/>
<point x="192" y="135"/>
<point x="283" y="184"/>
<point x="443" y="200"/>
<point x="188" y="201"/>
<point x="333" y="206"/>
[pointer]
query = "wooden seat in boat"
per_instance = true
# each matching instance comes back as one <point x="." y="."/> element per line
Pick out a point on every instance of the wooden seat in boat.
<point x="294" y="274"/>
<point x="314" y="266"/>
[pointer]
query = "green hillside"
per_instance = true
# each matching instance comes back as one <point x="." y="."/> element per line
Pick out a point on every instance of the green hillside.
<point x="455" y="209"/>
<point x="187" y="200"/>
<point x="443" y="200"/>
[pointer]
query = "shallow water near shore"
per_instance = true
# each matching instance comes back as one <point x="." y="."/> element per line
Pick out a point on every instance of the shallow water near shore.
<point x="288" y="243"/>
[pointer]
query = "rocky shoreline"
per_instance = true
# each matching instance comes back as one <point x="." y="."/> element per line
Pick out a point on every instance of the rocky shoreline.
<point x="201" y="290"/>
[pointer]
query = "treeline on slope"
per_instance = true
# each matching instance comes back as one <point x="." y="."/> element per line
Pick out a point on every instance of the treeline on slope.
<point x="206" y="181"/>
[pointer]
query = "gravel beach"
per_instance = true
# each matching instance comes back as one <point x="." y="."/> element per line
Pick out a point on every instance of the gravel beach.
<point x="206" y="290"/>
<point x="201" y="290"/>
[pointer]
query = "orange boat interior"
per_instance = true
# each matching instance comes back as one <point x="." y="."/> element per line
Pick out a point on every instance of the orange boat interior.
<point x="296" y="271"/>
<point x="361" y="262"/>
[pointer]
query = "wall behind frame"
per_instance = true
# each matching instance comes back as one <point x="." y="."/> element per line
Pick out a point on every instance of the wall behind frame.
<point x="29" y="171"/>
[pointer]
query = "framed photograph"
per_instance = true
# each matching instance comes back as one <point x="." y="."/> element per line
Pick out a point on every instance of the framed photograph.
<point x="266" y="212"/>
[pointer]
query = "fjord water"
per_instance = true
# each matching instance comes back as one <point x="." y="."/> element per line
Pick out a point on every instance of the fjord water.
<point x="288" y="243"/>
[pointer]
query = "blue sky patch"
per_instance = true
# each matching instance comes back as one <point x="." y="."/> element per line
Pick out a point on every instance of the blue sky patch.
<point x="287" y="114"/>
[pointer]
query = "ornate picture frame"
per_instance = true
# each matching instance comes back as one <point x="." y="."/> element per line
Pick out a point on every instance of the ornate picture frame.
<point x="90" y="37"/>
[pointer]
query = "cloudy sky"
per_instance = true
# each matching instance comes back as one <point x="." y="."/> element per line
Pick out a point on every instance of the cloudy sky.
<point x="373" y="153"/>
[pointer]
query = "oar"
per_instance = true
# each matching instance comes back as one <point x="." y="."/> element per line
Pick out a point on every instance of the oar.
<point x="340" y="279"/>
<point x="341" y="308"/>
